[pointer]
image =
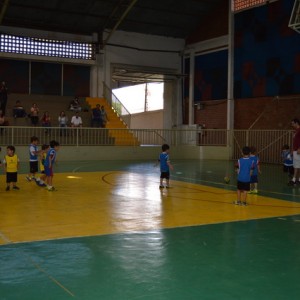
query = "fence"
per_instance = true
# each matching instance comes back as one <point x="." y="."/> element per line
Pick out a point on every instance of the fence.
<point x="267" y="142"/>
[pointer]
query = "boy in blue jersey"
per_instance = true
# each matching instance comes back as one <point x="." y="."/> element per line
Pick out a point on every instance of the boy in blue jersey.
<point x="287" y="159"/>
<point x="256" y="170"/>
<point x="244" y="170"/>
<point x="33" y="158"/>
<point x="165" y="166"/>
<point x="49" y="162"/>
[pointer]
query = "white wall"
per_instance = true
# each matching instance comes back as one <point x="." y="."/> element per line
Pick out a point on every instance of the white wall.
<point x="140" y="57"/>
<point x="71" y="153"/>
<point x="146" y="120"/>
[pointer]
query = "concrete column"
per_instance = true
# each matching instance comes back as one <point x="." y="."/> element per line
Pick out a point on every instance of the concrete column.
<point x="191" y="87"/>
<point x="230" y="86"/>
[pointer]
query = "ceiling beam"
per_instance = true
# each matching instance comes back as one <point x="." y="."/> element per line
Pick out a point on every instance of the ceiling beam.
<point x="3" y="10"/>
<point x="130" y="6"/>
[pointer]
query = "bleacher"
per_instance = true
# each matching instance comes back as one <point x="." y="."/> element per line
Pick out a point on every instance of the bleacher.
<point x="55" y="104"/>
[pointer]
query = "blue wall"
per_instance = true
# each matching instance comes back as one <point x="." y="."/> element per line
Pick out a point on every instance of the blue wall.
<point x="210" y="76"/>
<point x="267" y="52"/>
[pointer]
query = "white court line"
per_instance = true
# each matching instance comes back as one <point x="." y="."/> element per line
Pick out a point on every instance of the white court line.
<point x="36" y="265"/>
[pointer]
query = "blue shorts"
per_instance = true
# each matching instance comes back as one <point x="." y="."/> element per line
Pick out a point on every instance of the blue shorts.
<point x="48" y="171"/>
<point x="254" y="179"/>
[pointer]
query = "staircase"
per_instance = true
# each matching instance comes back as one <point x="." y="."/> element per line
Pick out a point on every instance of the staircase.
<point x="121" y="134"/>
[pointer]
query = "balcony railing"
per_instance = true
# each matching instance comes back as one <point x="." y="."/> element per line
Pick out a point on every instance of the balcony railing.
<point x="267" y="142"/>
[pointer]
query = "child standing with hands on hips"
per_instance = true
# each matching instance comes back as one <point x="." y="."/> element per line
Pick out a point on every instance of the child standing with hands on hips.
<point x="165" y="166"/>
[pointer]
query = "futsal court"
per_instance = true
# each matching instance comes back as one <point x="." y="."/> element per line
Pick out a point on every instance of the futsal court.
<point x="110" y="233"/>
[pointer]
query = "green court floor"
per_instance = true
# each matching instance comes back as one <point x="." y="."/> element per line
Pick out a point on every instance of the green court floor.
<point x="248" y="257"/>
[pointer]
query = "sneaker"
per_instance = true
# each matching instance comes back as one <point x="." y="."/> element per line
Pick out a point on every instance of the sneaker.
<point x="291" y="183"/>
<point x="42" y="184"/>
<point x="237" y="202"/>
<point x="255" y="191"/>
<point x="161" y="186"/>
<point x="15" y="188"/>
<point x="250" y="192"/>
<point x="28" y="178"/>
<point x="52" y="189"/>
<point x="37" y="182"/>
<point x="244" y="203"/>
<point x="7" y="188"/>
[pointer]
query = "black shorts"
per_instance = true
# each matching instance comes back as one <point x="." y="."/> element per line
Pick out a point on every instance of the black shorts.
<point x="243" y="186"/>
<point x="288" y="169"/>
<point x="11" y="177"/>
<point x="34" y="166"/>
<point x="165" y="175"/>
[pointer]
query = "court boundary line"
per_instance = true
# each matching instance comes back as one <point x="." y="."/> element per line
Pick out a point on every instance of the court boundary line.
<point x="8" y="242"/>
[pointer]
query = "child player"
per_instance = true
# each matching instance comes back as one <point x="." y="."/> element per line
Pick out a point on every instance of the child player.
<point x="165" y="166"/>
<point x="244" y="170"/>
<point x="287" y="159"/>
<point x="11" y="166"/>
<point x="33" y="158"/>
<point x="42" y="155"/>
<point x="49" y="162"/>
<point x="256" y="170"/>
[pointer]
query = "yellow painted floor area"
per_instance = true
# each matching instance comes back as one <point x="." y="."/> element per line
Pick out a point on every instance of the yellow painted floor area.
<point x="98" y="203"/>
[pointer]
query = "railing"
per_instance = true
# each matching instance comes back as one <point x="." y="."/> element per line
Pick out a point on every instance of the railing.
<point x="117" y="105"/>
<point x="267" y="142"/>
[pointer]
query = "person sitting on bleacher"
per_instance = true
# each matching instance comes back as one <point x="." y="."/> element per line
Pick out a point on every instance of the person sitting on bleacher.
<point x="34" y="114"/>
<point x="46" y="121"/>
<point x="18" y="110"/>
<point x="75" y="105"/>
<point x="76" y="120"/>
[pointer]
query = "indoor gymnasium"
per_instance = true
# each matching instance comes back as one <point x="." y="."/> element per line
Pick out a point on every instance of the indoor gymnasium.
<point x="192" y="192"/>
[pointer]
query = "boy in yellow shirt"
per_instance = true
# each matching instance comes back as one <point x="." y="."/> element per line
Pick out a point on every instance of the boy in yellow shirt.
<point x="11" y="166"/>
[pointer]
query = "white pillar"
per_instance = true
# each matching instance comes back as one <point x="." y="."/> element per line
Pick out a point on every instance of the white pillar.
<point x="191" y="87"/>
<point x="230" y="86"/>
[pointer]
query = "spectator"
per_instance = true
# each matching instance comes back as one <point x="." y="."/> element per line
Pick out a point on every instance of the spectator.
<point x="34" y="114"/>
<point x="75" y="105"/>
<point x="18" y="110"/>
<point x="3" y="97"/>
<point x="46" y="121"/>
<point x="76" y="120"/>
<point x="3" y="121"/>
<point x="63" y="123"/>
<point x="104" y="117"/>
<point x="96" y="117"/>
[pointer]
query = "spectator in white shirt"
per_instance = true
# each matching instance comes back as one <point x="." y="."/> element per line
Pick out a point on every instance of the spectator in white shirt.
<point x="76" y="120"/>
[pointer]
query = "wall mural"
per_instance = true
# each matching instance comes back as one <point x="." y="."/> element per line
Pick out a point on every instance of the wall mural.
<point x="210" y="76"/>
<point x="266" y="54"/>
